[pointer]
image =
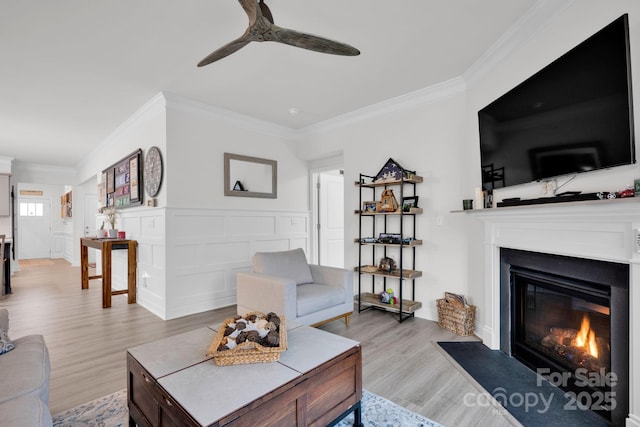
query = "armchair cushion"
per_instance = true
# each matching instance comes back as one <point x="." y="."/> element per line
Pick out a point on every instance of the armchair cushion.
<point x="313" y="297"/>
<point x="288" y="264"/>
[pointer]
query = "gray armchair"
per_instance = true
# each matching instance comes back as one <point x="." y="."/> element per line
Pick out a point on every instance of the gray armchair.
<point x="283" y="282"/>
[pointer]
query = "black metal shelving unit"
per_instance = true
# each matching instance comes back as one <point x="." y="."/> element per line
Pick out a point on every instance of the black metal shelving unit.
<point x="397" y="221"/>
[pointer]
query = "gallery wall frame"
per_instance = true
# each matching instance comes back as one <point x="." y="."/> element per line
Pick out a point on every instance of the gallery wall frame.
<point x="121" y="184"/>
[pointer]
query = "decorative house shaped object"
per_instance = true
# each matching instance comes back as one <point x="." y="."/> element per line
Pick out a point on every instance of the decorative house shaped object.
<point x="391" y="171"/>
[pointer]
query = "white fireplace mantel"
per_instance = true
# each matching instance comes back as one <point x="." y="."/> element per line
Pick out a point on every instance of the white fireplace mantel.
<point x="601" y="230"/>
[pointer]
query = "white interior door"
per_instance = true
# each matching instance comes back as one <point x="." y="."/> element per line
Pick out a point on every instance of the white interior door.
<point x="331" y="218"/>
<point x="35" y="228"/>
<point x="90" y="212"/>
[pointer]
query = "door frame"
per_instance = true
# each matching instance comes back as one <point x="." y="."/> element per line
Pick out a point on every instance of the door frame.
<point x="314" y="174"/>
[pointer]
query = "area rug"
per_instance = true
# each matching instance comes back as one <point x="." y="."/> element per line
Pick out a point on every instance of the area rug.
<point x="518" y="389"/>
<point x="112" y="411"/>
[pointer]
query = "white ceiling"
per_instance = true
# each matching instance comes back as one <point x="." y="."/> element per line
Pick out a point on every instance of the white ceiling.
<point x="72" y="71"/>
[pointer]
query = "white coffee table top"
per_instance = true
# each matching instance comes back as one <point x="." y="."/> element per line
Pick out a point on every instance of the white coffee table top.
<point x="310" y="347"/>
<point x="167" y="355"/>
<point x="210" y="392"/>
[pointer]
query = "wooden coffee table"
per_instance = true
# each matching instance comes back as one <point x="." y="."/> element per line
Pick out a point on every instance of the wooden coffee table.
<point x="316" y="382"/>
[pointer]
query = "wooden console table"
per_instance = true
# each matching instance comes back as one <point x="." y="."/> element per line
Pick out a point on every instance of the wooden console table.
<point x="106" y="246"/>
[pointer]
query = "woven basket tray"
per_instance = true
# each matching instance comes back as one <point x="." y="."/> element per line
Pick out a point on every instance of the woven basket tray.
<point x="459" y="320"/>
<point x="247" y="352"/>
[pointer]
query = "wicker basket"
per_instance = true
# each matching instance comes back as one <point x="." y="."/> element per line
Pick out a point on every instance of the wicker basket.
<point x="247" y="352"/>
<point x="459" y="320"/>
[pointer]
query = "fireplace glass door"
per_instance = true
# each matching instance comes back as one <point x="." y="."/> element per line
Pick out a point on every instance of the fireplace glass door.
<point x="561" y="324"/>
<point x="567" y="319"/>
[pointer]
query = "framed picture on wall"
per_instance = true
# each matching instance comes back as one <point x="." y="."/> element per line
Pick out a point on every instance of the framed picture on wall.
<point x="123" y="180"/>
<point x="110" y="180"/>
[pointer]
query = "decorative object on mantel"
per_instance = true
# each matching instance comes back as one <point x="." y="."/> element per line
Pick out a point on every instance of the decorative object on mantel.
<point x="238" y="186"/>
<point x="262" y="28"/>
<point x="455" y="314"/>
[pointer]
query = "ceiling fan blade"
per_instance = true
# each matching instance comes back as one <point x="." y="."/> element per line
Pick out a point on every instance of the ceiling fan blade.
<point x="225" y="50"/>
<point x="251" y="7"/>
<point x="265" y="11"/>
<point x="315" y="43"/>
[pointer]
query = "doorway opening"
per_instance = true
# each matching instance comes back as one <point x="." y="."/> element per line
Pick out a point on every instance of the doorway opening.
<point x="328" y="217"/>
<point x="35" y="228"/>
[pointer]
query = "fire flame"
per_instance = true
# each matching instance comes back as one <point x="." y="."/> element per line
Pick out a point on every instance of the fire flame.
<point x="586" y="337"/>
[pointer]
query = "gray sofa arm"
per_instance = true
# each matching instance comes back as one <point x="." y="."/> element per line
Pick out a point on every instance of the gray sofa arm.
<point x="4" y="319"/>
<point x="265" y="293"/>
<point x="325" y="275"/>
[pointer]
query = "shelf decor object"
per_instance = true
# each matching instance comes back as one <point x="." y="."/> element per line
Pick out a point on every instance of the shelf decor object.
<point x="395" y="230"/>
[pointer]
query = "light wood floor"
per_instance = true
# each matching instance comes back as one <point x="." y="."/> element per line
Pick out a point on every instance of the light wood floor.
<point x="87" y="346"/>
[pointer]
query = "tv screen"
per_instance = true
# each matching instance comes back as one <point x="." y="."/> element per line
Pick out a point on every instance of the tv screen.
<point x="575" y="115"/>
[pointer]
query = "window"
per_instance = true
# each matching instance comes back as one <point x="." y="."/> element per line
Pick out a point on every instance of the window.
<point x="31" y="209"/>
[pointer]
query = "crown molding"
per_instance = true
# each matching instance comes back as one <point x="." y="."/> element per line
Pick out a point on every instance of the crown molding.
<point x="157" y="102"/>
<point x="236" y="119"/>
<point x="39" y="167"/>
<point x="414" y="99"/>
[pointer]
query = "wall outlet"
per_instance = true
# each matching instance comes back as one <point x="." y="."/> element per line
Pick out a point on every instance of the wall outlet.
<point x="636" y="239"/>
<point x="145" y="276"/>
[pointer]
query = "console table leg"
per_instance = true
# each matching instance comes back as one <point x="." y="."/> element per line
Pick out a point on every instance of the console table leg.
<point x="84" y="266"/>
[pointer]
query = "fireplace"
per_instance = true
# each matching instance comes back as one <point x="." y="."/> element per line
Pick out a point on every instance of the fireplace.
<point x="567" y="318"/>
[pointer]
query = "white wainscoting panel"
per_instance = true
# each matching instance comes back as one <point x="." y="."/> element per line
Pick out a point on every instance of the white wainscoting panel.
<point x="206" y="248"/>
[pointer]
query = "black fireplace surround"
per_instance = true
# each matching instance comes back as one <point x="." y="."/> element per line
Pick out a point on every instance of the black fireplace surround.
<point x="544" y="299"/>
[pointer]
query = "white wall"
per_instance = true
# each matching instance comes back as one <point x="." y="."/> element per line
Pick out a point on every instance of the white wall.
<point x="424" y="135"/>
<point x="210" y="237"/>
<point x="198" y="135"/>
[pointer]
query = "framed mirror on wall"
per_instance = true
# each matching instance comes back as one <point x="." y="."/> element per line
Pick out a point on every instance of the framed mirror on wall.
<point x="246" y="176"/>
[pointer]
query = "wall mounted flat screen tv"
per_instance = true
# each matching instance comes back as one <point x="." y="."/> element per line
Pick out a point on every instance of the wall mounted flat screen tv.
<point x="575" y="115"/>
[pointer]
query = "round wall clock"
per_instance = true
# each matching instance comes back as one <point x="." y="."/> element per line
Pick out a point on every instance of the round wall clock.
<point x="152" y="171"/>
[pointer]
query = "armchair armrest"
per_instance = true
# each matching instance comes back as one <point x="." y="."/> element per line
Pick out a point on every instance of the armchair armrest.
<point x="324" y="275"/>
<point x="4" y="319"/>
<point x="266" y="293"/>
